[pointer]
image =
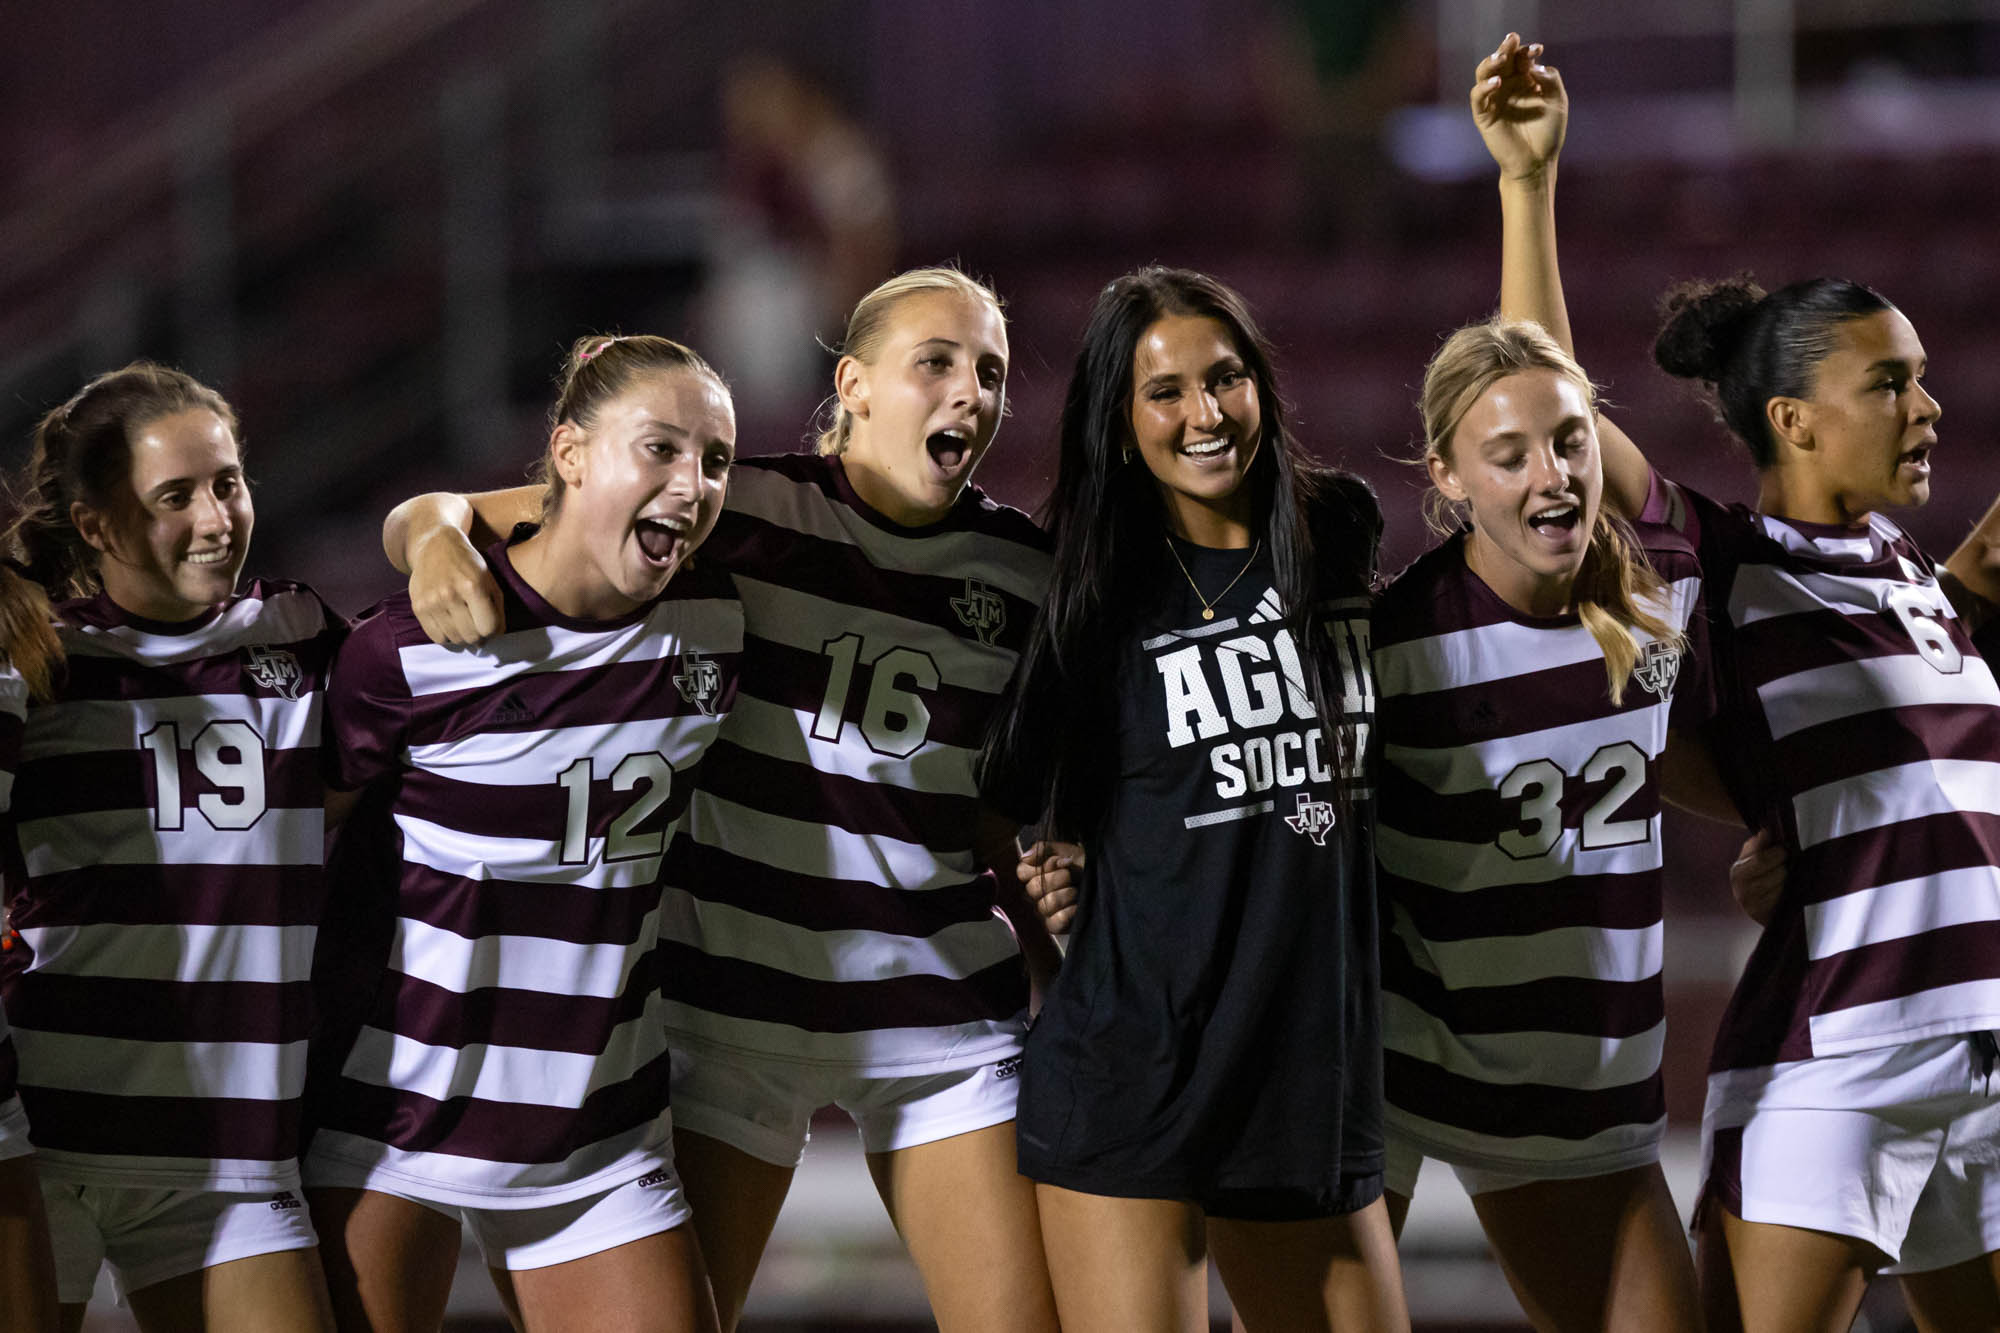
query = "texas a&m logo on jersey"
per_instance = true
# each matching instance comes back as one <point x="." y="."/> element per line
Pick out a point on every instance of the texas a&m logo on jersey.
<point x="981" y="610"/>
<point x="1659" y="666"/>
<point x="699" y="681"/>
<point x="1314" y="819"/>
<point x="274" y="669"/>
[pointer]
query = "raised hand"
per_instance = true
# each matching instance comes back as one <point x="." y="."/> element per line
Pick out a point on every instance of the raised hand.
<point x="451" y="590"/>
<point x="1521" y="108"/>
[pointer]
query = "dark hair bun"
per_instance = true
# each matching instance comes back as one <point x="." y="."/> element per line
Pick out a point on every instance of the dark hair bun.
<point x="1701" y="323"/>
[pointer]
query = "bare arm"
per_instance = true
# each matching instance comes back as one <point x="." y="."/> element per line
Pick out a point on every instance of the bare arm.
<point x="1975" y="567"/>
<point x="998" y="851"/>
<point x="1522" y="111"/>
<point x="436" y="539"/>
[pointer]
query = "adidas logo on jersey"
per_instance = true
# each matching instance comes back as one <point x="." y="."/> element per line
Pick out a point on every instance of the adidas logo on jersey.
<point x="699" y="681"/>
<point x="981" y="610"/>
<point x="511" y="712"/>
<point x="285" y="1201"/>
<point x="274" y="669"/>
<point x="1659" y="666"/>
<point x="1269" y="608"/>
<point x="652" y="1180"/>
<point x="1314" y="819"/>
<point x="1007" y="1068"/>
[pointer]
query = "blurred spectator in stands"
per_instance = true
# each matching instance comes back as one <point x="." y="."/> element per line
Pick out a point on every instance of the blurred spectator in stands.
<point x="1333" y="70"/>
<point x="809" y="227"/>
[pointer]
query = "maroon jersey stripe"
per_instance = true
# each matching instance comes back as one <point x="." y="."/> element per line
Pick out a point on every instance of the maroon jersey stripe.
<point x="1445" y="719"/>
<point x="89" y="677"/>
<point x="1511" y="1110"/>
<point x="476" y="908"/>
<point x="551" y="700"/>
<point x="201" y="1128"/>
<point x="1604" y="902"/>
<point x="123" y="780"/>
<point x="1839" y="749"/>
<point x="716" y="876"/>
<point x="1583" y="1006"/>
<point x="536" y="1020"/>
<point x="498" y="1131"/>
<point x="941" y="822"/>
<point x="195" y="895"/>
<point x="509" y="810"/>
<point x="190" y="1011"/>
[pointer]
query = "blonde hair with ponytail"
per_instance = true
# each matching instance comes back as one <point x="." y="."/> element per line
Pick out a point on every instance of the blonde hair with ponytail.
<point x="1616" y="589"/>
<point x="869" y="323"/>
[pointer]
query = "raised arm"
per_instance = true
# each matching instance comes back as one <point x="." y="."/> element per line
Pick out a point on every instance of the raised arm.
<point x="1975" y="568"/>
<point x="1522" y="111"/>
<point x="436" y="539"/>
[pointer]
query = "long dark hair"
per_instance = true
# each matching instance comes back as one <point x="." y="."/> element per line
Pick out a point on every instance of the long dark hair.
<point x="1107" y="522"/>
<point x="82" y="452"/>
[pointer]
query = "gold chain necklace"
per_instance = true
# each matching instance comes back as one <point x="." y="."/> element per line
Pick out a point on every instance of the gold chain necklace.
<point x="1208" y="603"/>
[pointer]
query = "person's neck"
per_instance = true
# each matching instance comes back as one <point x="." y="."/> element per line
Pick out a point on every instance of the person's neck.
<point x="1221" y="529"/>
<point x="554" y="563"/>
<point x="1784" y="492"/>
<point x="1521" y="589"/>
<point x="881" y="495"/>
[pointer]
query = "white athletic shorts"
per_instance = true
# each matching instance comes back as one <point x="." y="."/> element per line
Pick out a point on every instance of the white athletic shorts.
<point x="1899" y="1147"/>
<point x="151" y="1235"/>
<point x="538" y="1237"/>
<point x="765" y="1107"/>
<point x="1402" y="1160"/>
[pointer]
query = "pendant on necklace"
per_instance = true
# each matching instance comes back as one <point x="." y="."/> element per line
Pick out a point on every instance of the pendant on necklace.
<point x="1208" y="613"/>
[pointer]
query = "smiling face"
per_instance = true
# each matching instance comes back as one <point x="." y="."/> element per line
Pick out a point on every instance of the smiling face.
<point x="1524" y="458"/>
<point x="925" y="405"/>
<point x="1197" y="423"/>
<point x="643" y="484"/>
<point x="172" y="542"/>
<point x="1863" y="440"/>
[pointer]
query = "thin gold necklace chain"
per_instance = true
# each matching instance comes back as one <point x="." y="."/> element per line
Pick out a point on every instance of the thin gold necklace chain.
<point x="1208" y="603"/>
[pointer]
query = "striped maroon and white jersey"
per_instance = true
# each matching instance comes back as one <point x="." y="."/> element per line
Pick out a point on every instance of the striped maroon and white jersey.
<point x="1519" y="847"/>
<point x="167" y="831"/>
<point x="13" y="721"/>
<point x="1858" y="720"/>
<point x="825" y="904"/>
<point x="14" y="1141"/>
<point x="515" y="1052"/>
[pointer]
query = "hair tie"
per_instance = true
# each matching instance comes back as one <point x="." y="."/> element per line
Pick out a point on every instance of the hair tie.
<point x="585" y="358"/>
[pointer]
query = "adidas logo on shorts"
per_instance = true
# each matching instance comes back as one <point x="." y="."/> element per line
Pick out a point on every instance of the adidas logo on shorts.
<point x="660" y="1177"/>
<point x="284" y="1201"/>
<point x="1007" y="1068"/>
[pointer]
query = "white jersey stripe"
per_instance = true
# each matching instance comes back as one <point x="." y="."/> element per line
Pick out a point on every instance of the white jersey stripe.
<point x="774" y="498"/>
<point x="1936" y="1012"/>
<point x="1890" y="795"/>
<point x="822" y="851"/>
<point x="265" y="954"/>
<point x="1471" y="766"/>
<point x="435" y="669"/>
<point x="1548" y="1158"/>
<point x="823" y="955"/>
<point x="517" y="1075"/>
<point x="128" y="838"/>
<point x="1567" y="1059"/>
<point x="253" y="1071"/>
<point x="539" y="758"/>
<point x="527" y="860"/>
<point x="454" y="963"/>
<point x="591" y="1169"/>
<point x="285" y="617"/>
<point x="1461" y="866"/>
<point x="1572" y="951"/>
<point x="778" y="732"/>
<point x="803" y="621"/>
<point x="1843" y="690"/>
<point x="1902" y="909"/>
<point x="102" y="724"/>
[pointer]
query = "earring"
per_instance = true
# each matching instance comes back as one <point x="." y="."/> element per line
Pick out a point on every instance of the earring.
<point x="1127" y="457"/>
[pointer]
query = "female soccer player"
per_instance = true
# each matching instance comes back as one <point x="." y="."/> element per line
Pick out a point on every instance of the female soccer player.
<point x="1528" y="668"/>
<point x="1194" y="709"/>
<point x="829" y="937"/>
<point x="512" y="1072"/>
<point x="167" y="821"/>
<point x="1850" y="1116"/>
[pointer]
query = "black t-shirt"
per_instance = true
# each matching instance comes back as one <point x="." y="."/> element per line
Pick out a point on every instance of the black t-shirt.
<point x="1216" y="1027"/>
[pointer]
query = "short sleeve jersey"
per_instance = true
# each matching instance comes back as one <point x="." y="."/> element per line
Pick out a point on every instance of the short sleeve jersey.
<point x="167" y="831"/>
<point x="1216" y="1024"/>
<point x="825" y="905"/>
<point x="514" y="1054"/>
<point x="1858" y="720"/>
<point x="1524" y="1016"/>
